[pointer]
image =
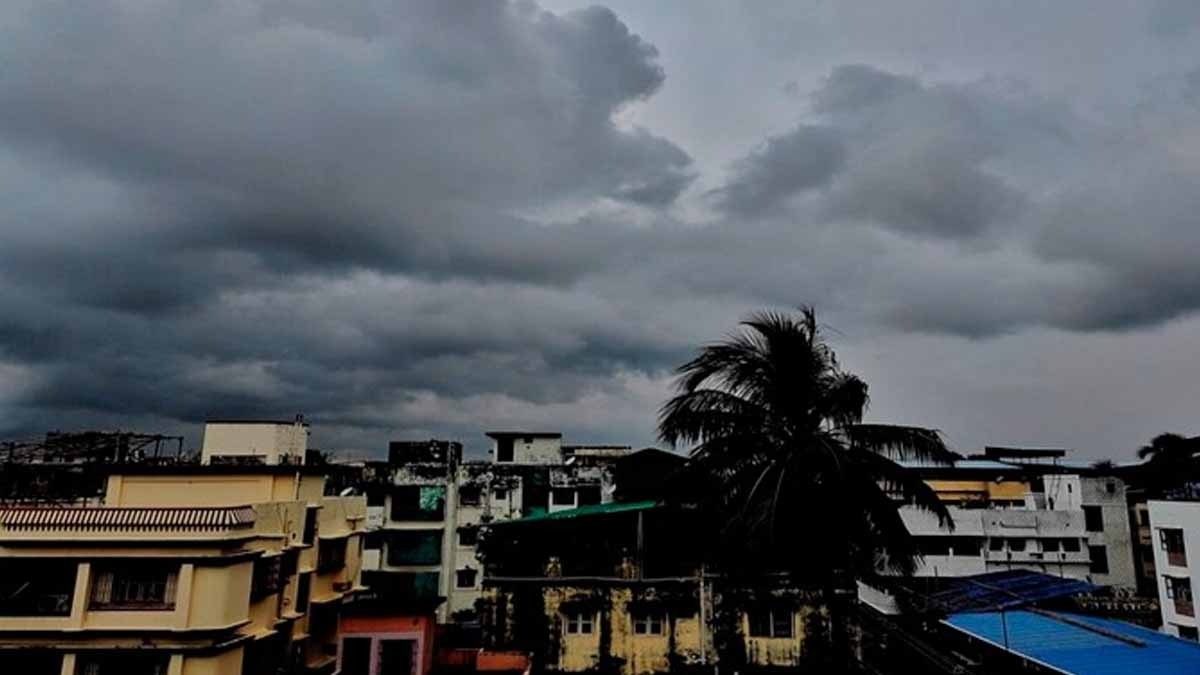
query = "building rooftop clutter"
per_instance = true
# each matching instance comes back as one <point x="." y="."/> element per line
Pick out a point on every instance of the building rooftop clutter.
<point x="1080" y="645"/>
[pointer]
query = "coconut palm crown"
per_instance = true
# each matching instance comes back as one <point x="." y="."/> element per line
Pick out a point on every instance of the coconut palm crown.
<point x="799" y="482"/>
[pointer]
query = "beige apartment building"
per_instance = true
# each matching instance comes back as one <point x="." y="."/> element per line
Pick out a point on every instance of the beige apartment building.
<point x="183" y="570"/>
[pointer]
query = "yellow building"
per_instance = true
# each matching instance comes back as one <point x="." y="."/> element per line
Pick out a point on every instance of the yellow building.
<point x="618" y="588"/>
<point x="184" y="570"/>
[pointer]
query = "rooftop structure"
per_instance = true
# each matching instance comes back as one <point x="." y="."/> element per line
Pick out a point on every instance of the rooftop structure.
<point x="255" y="441"/>
<point x="1075" y="644"/>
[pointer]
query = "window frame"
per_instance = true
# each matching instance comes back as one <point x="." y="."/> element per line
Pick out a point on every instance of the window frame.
<point x="113" y="584"/>
<point x="649" y="623"/>
<point x="474" y="575"/>
<point x="766" y="623"/>
<point x="579" y="622"/>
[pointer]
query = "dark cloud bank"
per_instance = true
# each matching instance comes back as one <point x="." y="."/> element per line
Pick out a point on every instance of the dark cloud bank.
<point x="428" y="218"/>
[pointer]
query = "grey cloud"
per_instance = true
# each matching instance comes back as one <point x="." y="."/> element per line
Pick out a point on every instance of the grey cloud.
<point x="428" y="217"/>
<point x="803" y="159"/>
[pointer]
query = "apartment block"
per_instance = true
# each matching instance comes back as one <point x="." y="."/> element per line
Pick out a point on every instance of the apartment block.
<point x="1024" y="514"/>
<point x="1175" y="527"/>
<point x="183" y="570"/>
<point x="435" y="502"/>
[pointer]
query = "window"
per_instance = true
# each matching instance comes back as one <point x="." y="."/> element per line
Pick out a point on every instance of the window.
<point x="1189" y="633"/>
<point x="265" y="656"/>
<point x="1099" y="557"/>
<point x="122" y="663"/>
<point x="356" y="656"/>
<point x="580" y="622"/>
<point x="289" y="564"/>
<point x="414" y="547"/>
<point x="500" y="494"/>
<point x="966" y="546"/>
<point x="310" y="525"/>
<point x="267" y="579"/>
<point x="774" y="623"/>
<point x="589" y="495"/>
<point x="36" y="587"/>
<point x="648" y="623"/>
<point x="303" y="588"/>
<point x="134" y="586"/>
<point x="562" y="497"/>
<point x="504" y="449"/>
<point x="418" y="502"/>
<point x="996" y="544"/>
<point x="375" y="496"/>
<point x="1179" y="589"/>
<point x="1143" y="518"/>
<point x="28" y="662"/>
<point x="1017" y="545"/>
<point x="468" y="536"/>
<point x="1093" y="519"/>
<point x="1050" y="546"/>
<point x="1070" y="545"/>
<point x="331" y="555"/>
<point x="469" y="495"/>
<point x="933" y="545"/>
<point x="465" y="578"/>
<point x="1171" y="541"/>
<point x="373" y="541"/>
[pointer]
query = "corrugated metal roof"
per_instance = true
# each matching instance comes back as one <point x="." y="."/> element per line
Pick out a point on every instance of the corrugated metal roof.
<point x="148" y="518"/>
<point x="1083" y="645"/>
<point x="1001" y="590"/>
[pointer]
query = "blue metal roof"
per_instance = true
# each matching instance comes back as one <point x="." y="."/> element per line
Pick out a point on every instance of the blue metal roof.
<point x="1001" y="590"/>
<point x="1083" y="645"/>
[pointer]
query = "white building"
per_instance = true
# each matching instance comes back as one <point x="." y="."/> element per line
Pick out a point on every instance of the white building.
<point x="436" y="501"/>
<point x="255" y="441"/>
<point x="1176" y="531"/>
<point x="991" y="540"/>
<point x="1030" y="515"/>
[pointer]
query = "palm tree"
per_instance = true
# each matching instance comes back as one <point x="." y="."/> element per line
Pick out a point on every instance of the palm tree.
<point x="1171" y="461"/>
<point x="803" y="485"/>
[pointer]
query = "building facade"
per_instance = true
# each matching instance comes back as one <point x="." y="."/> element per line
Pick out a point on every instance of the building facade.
<point x="183" y="570"/>
<point x="434" y="503"/>
<point x="1175" y="528"/>
<point x="620" y="588"/>
<point x="1031" y="516"/>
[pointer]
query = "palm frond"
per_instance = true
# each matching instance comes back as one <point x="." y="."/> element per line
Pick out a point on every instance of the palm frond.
<point x="901" y="442"/>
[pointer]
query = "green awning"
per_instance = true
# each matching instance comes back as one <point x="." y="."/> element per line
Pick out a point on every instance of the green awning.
<point x="584" y="511"/>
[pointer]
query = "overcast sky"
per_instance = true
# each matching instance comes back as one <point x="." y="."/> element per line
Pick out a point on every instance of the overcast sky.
<point x="430" y="218"/>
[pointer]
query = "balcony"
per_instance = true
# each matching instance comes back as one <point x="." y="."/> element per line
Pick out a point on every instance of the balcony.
<point x="36" y="587"/>
<point x="1184" y="607"/>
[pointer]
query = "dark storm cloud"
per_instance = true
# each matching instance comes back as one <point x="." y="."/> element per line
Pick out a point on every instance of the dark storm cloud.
<point x="429" y="217"/>
<point x="896" y="153"/>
